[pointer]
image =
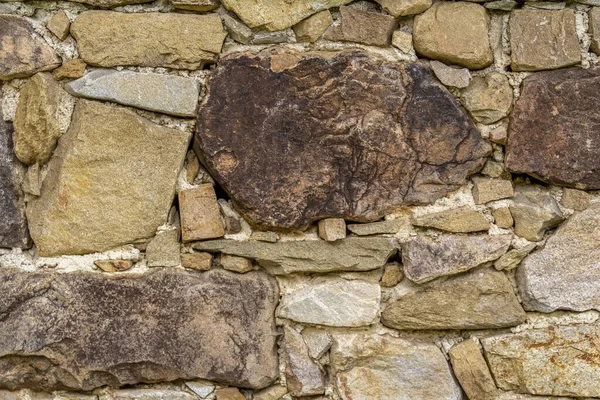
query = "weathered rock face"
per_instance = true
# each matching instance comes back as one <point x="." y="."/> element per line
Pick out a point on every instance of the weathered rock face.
<point x="84" y="330"/>
<point x="546" y="109"/>
<point x="366" y="27"/>
<point x="13" y="226"/>
<point x="401" y="8"/>
<point x="488" y="99"/>
<point x="22" y="51"/>
<point x="110" y="3"/>
<point x="461" y="219"/>
<point x="479" y="299"/>
<point x="387" y="368"/>
<point x="555" y="361"/>
<point x="534" y="211"/>
<point x="81" y="208"/>
<point x="472" y="371"/>
<point x="303" y="376"/>
<point x="565" y="274"/>
<point x="351" y="254"/>
<point x="594" y="19"/>
<point x="283" y="170"/>
<point x="182" y="41"/>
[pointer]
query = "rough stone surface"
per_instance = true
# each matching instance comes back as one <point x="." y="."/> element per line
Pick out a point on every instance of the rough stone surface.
<point x="351" y="254"/>
<point x="366" y="27"/>
<point x="594" y="21"/>
<point x="114" y="265"/>
<point x="256" y="152"/>
<point x="37" y="119"/>
<point x="169" y="94"/>
<point x="277" y="15"/>
<point x="426" y="258"/>
<point x="461" y="220"/>
<point x="402" y="41"/>
<point x="565" y="274"/>
<point x="59" y="24"/>
<point x="312" y="28"/>
<point x="186" y="41"/>
<point x="237" y="30"/>
<point x="163" y="249"/>
<point x="81" y="208"/>
<point x="575" y="199"/>
<point x="317" y="340"/>
<point x="383" y="227"/>
<point x="200" y="215"/>
<point x="392" y="275"/>
<point x="543" y="39"/>
<point x="402" y="8"/>
<point x="196" y="5"/>
<point x="136" y="394"/>
<point x="472" y="371"/>
<point x="71" y="69"/>
<point x="451" y="76"/>
<point x="553" y="361"/>
<point x="111" y="3"/>
<point x="546" y="108"/>
<point x="488" y="99"/>
<point x="22" y="51"/>
<point x="332" y="229"/>
<point x="271" y="393"/>
<point x="454" y="33"/>
<point x="229" y="394"/>
<point x="236" y="264"/>
<point x="502" y="217"/>
<point x="387" y="368"/>
<point x="513" y="257"/>
<point x="303" y="376"/>
<point x="480" y="299"/>
<point x="197" y="261"/>
<point x="486" y="189"/>
<point x="534" y="211"/>
<point x="64" y="330"/>
<point x="334" y="302"/>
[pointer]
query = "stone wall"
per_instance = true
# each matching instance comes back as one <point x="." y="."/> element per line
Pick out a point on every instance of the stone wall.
<point x="281" y="199"/>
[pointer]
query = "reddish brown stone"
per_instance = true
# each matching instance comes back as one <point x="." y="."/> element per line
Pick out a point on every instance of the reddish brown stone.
<point x="296" y="138"/>
<point x="554" y="133"/>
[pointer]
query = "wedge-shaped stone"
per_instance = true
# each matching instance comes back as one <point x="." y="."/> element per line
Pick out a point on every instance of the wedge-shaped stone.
<point x="169" y="94"/>
<point x="382" y="367"/>
<point x="22" y="51"/>
<point x="85" y="330"/>
<point x="333" y="302"/>
<point x="426" y="258"/>
<point x="350" y="254"/>
<point x="110" y="3"/>
<point x="284" y="170"/>
<point x="182" y="41"/>
<point x="472" y="371"/>
<point x="479" y="299"/>
<point x="554" y="361"/>
<point x="111" y="182"/>
<point x="461" y="220"/>
<point x="304" y="377"/>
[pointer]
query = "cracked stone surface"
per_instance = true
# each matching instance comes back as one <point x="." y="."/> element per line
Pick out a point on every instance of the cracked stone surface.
<point x="85" y="330"/>
<point x="365" y="137"/>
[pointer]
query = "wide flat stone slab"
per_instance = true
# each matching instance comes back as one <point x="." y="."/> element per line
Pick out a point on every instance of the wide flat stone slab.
<point x="294" y="138"/>
<point x="85" y="330"/>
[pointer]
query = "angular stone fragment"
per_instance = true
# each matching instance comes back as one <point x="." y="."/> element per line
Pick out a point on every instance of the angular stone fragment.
<point x="552" y="361"/>
<point x="87" y="330"/>
<point x="498" y="134"/>
<point x="543" y="39"/>
<point x="312" y="28"/>
<point x="181" y="41"/>
<point x="140" y="394"/>
<point x="37" y="119"/>
<point x="502" y="217"/>
<point x="534" y="211"/>
<point x="236" y="264"/>
<point x="575" y="199"/>
<point x="198" y="261"/>
<point x="236" y="29"/>
<point x="275" y="392"/>
<point x="401" y="8"/>
<point x="351" y="254"/>
<point x="71" y="69"/>
<point x="594" y="23"/>
<point x="22" y="51"/>
<point x="196" y="5"/>
<point x="103" y="188"/>
<point x="472" y="372"/>
<point x="454" y="33"/>
<point x="169" y="94"/>
<point x="486" y="189"/>
<point x="200" y="215"/>
<point x="480" y="299"/>
<point x="32" y="183"/>
<point x="277" y="15"/>
<point x="461" y="220"/>
<point x="367" y="27"/>
<point x="317" y="340"/>
<point x="382" y="367"/>
<point x="426" y="258"/>
<point x="392" y="275"/>
<point x="512" y="258"/>
<point x="488" y="99"/>
<point x="403" y="41"/>
<point x="383" y="227"/>
<point x="59" y="24"/>
<point x="229" y="394"/>
<point x="266" y="37"/>
<point x="163" y="249"/>
<point x="284" y="170"/>
<point x="114" y="265"/>
<point x="547" y="108"/>
<point x="110" y="3"/>
<point x="451" y="76"/>
<point x="332" y="229"/>
<point x="303" y="376"/>
<point x="333" y="302"/>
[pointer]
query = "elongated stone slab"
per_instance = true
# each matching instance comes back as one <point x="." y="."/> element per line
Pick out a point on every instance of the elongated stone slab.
<point x="169" y="94"/>
<point x="351" y="254"/>
<point x="365" y="137"/>
<point x="85" y="330"/>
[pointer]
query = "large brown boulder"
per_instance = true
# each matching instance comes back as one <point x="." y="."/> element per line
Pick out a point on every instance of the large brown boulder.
<point x="296" y="138"/>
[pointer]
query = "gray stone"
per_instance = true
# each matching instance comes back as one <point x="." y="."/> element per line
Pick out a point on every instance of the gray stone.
<point x="383" y="227"/>
<point x="196" y="5"/>
<point x="480" y="299"/>
<point x="575" y="199"/>
<point x="303" y="376"/>
<point x="163" y="250"/>
<point x="202" y="389"/>
<point x="150" y="394"/>
<point x="317" y="340"/>
<point x="85" y="330"/>
<point x="451" y="76"/>
<point x="500" y="5"/>
<point x="534" y="211"/>
<point x="169" y="94"/>
<point x="237" y="30"/>
<point x="426" y="258"/>
<point x="333" y="302"/>
<point x="266" y="37"/>
<point x="350" y="254"/>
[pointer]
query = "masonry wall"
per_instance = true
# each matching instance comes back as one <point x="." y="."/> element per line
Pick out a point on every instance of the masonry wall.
<point x="277" y="199"/>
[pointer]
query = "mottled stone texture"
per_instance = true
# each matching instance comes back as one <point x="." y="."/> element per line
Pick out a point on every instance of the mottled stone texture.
<point x="85" y="330"/>
<point x="365" y="136"/>
<point x="553" y="134"/>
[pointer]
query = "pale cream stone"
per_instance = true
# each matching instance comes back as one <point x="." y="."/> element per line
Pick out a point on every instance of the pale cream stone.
<point x="236" y="264"/>
<point x="486" y="190"/>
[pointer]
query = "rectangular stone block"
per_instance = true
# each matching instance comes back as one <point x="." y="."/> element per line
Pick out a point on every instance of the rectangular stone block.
<point x="85" y="330"/>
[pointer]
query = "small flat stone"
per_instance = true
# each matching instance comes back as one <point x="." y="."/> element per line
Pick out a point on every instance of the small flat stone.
<point x="512" y="258"/>
<point x="267" y="37"/>
<point x="332" y="229"/>
<point x="454" y="33"/>
<point x="271" y="237"/>
<point x="383" y="227"/>
<point x="499" y="134"/>
<point x="534" y="211"/>
<point x="71" y="69"/>
<point x="229" y="394"/>
<point x="479" y="299"/>
<point x="32" y="183"/>
<point x="350" y="254"/>
<point x="543" y="39"/>
<point x="402" y="8"/>
<point x="472" y="371"/>
<point x="197" y="261"/>
<point x="486" y="189"/>
<point x="163" y="249"/>
<point x="237" y="30"/>
<point x="312" y="28"/>
<point x="200" y="215"/>
<point x="304" y="377"/>
<point x="114" y="265"/>
<point x="110" y="3"/>
<point x="367" y="27"/>
<point x="501" y="5"/>
<point x="334" y="302"/>
<point x="200" y="388"/>
<point x="575" y="199"/>
<point x="403" y="41"/>
<point x="196" y="5"/>
<point x="240" y="265"/>
<point x="275" y="392"/>
<point x="145" y="394"/>
<point x="59" y="24"/>
<point x="392" y="275"/>
<point x="488" y="99"/>
<point x="502" y="217"/>
<point x="426" y="258"/>
<point x="192" y="167"/>
<point x="187" y="41"/>
<point x="23" y="52"/>
<point x="594" y="23"/>
<point x="317" y="340"/>
<point x="460" y="220"/>
<point x="451" y="76"/>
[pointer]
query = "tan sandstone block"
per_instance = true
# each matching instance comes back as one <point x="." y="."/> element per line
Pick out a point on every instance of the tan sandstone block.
<point x="486" y="189"/>
<point x="312" y="28"/>
<point x="59" y="25"/>
<point x="200" y="216"/>
<point x="71" y="69"/>
<point x="594" y="21"/>
<point x="472" y="371"/>
<point x="332" y="229"/>
<point x="401" y="8"/>
<point x="198" y="261"/>
<point x="503" y="217"/>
